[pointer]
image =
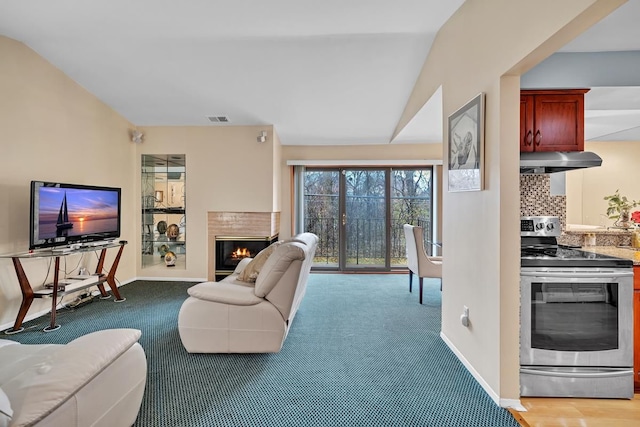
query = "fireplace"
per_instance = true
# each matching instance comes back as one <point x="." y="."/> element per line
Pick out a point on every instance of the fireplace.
<point x="238" y="224"/>
<point x="230" y="250"/>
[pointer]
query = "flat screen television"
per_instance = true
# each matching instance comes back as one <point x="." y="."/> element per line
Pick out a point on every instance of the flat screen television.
<point x="66" y="214"/>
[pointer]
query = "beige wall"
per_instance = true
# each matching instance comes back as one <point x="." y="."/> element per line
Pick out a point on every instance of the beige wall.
<point x="228" y="170"/>
<point x="278" y="197"/>
<point x="586" y="188"/>
<point x="484" y="47"/>
<point x="53" y="129"/>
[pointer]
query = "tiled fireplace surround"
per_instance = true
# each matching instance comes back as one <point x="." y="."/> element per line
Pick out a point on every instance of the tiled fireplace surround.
<point x="245" y="224"/>
<point x="536" y="198"/>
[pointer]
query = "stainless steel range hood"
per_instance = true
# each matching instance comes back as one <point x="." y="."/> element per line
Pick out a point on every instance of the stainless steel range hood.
<point x="557" y="161"/>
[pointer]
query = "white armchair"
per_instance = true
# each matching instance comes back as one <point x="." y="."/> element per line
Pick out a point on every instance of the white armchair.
<point x="95" y="380"/>
<point x="418" y="261"/>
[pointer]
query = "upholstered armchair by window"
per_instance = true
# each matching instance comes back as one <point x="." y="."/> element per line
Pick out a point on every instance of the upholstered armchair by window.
<point x="420" y="264"/>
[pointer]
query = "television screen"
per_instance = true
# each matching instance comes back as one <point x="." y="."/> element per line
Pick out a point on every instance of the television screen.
<point x="64" y="214"/>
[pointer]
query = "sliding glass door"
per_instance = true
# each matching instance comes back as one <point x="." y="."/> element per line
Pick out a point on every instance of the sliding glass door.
<point x="364" y="219"/>
<point x="411" y="203"/>
<point x="358" y="214"/>
<point x="321" y="214"/>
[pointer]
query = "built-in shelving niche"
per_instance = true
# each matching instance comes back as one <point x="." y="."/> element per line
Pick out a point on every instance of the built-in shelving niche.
<point x="164" y="227"/>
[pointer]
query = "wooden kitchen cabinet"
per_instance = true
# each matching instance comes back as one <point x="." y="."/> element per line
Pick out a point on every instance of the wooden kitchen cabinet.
<point x="636" y="327"/>
<point x="552" y="120"/>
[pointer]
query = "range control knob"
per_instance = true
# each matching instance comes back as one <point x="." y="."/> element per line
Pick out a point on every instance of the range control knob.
<point x="550" y="226"/>
<point x="539" y="226"/>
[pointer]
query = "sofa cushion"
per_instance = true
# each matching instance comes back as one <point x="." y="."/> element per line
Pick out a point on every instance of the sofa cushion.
<point x="241" y="265"/>
<point x="308" y="239"/>
<point x="5" y="409"/>
<point x="251" y="271"/>
<point x="57" y="372"/>
<point x="277" y="265"/>
<point x="224" y="292"/>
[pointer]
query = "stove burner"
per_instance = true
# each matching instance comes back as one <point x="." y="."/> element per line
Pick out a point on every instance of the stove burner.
<point x="536" y="252"/>
<point x="539" y="248"/>
<point x="561" y="252"/>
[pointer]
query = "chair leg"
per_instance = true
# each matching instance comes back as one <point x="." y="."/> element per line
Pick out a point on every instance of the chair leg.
<point x="410" y="280"/>
<point x="420" y="280"/>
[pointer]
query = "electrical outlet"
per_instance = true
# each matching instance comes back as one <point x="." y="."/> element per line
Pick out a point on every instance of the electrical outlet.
<point x="464" y="317"/>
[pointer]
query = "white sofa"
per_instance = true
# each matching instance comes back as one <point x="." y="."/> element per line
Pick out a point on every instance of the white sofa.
<point x="233" y="316"/>
<point x="95" y="380"/>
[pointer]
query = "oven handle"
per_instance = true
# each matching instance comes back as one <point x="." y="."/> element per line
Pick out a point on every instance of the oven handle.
<point x="599" y="374"/>
<point x="577" y="274"/>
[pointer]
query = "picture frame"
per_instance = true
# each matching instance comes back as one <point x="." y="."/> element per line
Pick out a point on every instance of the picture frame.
<point x="466" y="146"/>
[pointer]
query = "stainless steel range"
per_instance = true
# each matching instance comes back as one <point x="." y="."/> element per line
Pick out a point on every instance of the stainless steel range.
<point x="576" y="317"/>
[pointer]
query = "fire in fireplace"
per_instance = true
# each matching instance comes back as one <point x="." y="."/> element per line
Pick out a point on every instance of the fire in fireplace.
<point x="239" y="254"/>
<point x="230" y="250"/>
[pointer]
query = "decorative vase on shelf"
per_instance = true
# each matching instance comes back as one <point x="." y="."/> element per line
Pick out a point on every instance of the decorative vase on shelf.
<point x="162" y="227"/>
<point x="173" y="231"/>
<point x="163" y="249"/>
<point x="170" y="259"/>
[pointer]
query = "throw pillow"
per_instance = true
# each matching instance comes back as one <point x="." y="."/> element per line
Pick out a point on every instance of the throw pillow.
<point x="6" y="413"/>
<point x="251" y="271"/>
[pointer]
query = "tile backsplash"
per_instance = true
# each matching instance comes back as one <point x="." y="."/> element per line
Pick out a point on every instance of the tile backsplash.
<point x="536" y="198"/>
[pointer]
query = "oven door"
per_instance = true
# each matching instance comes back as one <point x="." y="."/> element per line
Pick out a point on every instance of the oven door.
<point x="576" y="317"/>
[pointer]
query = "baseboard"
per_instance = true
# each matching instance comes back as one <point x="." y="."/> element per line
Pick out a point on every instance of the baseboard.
<point x="514" y="404"/>
<point x="172" y="279"/>
<point x="503" y="403"/>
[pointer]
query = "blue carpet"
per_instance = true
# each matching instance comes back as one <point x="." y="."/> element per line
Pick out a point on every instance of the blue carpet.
<point x="361" y="352"/>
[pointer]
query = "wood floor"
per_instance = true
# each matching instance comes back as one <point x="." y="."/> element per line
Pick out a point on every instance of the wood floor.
<point x="564" y="412"/>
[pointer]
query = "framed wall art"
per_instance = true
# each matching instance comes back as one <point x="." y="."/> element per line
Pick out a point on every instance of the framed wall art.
<point x="466" y="146"/>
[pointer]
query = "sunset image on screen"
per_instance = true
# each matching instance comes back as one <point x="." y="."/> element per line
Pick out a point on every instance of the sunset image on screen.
<point x="74" y="211"/>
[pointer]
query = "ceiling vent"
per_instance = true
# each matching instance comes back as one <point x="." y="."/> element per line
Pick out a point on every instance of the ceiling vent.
<point x="218" y="119"/>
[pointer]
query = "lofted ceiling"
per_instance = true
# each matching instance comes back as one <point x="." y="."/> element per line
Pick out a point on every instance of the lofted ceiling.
<point x="323" y="73"/>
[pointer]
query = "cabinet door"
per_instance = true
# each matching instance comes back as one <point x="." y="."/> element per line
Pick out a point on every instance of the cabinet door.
<point x="559" y="122"/>
<point x="526" y="122"/>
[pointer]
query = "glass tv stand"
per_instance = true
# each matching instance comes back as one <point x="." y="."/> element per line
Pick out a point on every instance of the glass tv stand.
<point x="71" y="283"/>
